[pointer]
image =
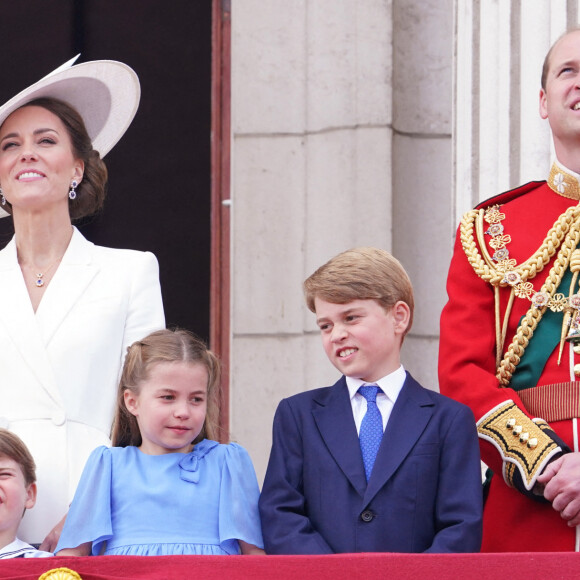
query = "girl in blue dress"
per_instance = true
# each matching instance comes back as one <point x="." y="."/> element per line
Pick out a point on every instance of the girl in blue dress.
<point x="166" y="487"/>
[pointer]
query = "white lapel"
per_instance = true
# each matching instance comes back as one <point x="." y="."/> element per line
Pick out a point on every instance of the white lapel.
<point x="30" y="332"/>
<point x="19" y="321"/>
<point x="75" y="272"/>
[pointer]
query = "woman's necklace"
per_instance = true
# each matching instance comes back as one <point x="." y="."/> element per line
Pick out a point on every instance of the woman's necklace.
<point x="40" y="275"/>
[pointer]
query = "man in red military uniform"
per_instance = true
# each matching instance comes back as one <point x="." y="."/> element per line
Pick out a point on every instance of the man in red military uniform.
<point x="508" y="333"/>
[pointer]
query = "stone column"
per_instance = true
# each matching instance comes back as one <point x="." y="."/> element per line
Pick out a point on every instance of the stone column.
<point x="500" y="141"/>
<point x="422" y="152"/>
<point x="311" y="177"/>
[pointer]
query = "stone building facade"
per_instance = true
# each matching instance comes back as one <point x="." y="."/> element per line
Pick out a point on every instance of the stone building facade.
<point x="366" y="122"/>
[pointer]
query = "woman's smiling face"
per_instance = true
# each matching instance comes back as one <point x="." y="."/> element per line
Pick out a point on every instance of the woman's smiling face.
<point x="37" y="164"/>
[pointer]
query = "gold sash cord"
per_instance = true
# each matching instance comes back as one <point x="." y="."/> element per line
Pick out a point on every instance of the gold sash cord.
<point x="562" y="238"/>
<point x="556" y="402"/>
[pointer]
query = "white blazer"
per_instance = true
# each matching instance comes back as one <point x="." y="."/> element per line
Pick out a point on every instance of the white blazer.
<point x="59" y="367"/>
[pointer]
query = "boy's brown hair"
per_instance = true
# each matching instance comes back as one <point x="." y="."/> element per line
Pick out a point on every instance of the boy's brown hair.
<point x="13" y="447"/>
<point x="361" y="274"/>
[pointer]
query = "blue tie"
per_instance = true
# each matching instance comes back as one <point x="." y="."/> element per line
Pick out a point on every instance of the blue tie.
<point x="371" y="428"/>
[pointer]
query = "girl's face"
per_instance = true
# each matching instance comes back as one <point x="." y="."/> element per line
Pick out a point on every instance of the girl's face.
<point x="37" y="164"/>
<point x="170" y="407"/>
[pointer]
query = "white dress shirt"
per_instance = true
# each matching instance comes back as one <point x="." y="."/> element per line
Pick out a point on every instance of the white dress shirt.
<point x="390" y="385"/>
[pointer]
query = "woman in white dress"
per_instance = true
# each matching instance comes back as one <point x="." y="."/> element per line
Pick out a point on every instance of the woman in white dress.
<point x="69" y="308"/>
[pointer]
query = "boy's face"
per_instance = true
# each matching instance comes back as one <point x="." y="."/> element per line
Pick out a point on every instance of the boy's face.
<point x="360" y="338"/>
<point x="15" y="495"/>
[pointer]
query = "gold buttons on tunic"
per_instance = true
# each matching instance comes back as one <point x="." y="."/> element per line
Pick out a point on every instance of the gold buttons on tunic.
<point x="518" y="431"/>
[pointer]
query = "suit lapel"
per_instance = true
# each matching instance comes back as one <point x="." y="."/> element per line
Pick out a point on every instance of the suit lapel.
<point x="19" y="321"/>
<point x="411" y="413"/>
<point x="70" y="281"/>
<point x="335" y="423"/>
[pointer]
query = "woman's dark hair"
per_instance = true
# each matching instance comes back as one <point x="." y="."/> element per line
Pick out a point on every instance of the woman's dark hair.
<point x="91" y="191"/>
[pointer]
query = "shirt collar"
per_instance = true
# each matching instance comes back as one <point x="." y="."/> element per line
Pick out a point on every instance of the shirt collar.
<point x="391" y="385"/>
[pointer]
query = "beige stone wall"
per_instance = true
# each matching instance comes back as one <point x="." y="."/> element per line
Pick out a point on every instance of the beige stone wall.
<point x="422" y="218"/>
<point x="500" y="141"/>
<point x="375" y="122"/>
<point x="341" y="116"/>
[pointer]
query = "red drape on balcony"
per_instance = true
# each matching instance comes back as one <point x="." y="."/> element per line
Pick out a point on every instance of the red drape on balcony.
<point x="528" y="566"/>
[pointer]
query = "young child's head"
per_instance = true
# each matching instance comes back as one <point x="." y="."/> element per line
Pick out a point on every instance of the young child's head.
<point x="168" y="395"/>
<point x="17" y="484"/>
<point x="363" y="301"/>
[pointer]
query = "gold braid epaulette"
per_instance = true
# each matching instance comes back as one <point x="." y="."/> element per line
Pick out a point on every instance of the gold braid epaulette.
<point x="565" y="233"/>
<point x="528" y="269"/>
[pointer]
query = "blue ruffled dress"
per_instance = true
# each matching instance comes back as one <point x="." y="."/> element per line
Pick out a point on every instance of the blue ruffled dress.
<point x="201" y="502"/>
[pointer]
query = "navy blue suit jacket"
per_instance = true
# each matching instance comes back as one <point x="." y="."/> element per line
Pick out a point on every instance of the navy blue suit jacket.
<point x="424" y="493"/>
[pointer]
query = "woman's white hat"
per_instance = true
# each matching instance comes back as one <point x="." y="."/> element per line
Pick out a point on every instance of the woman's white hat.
<point x="105" y="93"/>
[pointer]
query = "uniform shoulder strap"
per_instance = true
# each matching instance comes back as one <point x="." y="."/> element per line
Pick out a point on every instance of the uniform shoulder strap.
<point x="510" y="195"/>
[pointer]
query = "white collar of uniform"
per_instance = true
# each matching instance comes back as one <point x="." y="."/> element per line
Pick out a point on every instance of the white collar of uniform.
<point x="18" y="548"/>
<point x="391" y="385"/>
<point x="564" y="181"/>
<point x="566" y="169"/>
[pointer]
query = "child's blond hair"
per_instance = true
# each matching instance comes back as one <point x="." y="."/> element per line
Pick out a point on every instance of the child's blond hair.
<point x="164" y="346"/>
<point x="361" y="274"/>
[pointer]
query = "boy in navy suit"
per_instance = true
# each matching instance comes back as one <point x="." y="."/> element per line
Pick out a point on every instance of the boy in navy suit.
<point x="375" y="463"/>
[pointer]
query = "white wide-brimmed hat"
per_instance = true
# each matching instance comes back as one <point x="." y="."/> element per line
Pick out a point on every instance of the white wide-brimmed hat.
<point x="106" y="94"/>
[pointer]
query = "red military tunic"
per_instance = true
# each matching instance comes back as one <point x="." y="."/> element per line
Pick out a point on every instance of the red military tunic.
<point x="516" y="448"/>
